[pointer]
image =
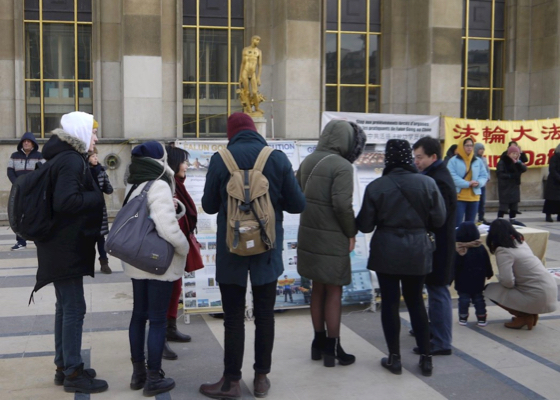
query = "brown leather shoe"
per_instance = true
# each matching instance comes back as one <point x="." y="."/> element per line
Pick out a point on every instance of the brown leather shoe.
<point x="535" y="319"/>
<point x="224" y="389"/>
<point x="520" y="321"/>
<point x="262" y="385"/>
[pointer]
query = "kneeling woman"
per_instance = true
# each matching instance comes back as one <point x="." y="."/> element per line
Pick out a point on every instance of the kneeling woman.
<point x="525" y="288"/>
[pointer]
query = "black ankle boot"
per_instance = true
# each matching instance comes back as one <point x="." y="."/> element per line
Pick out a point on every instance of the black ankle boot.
<point x="157" y="383"/>
<point x="425" y="364"/>
<point x="334" y="351"/>
<point x="138" y="375"/>
<point x="81" y="382"/>
<point x="549" y="218"/>
<point x="173" y="334"/>
<point x="392" y="363"/>
<point x="168" y="354"/>
<point x="318" y="345"/>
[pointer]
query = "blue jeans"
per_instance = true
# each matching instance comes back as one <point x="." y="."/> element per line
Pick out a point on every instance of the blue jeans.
<point x="151" y="301"/>
<point x="68" y="323"/>
<point x="466" y="209"/>
<point x="441" y="316"/>
<point x="21" y="240"/>
<point x="233" y="302"/>
<point x="477" y="300"/>
<point x="481" y="203"/>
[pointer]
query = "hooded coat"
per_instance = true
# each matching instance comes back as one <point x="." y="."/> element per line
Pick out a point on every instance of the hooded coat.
<point x="326" y="178"/>
<point x="21" y="163"/>
<point x="523" y="284"/>
<point x="509" y="179"/>
<point x="285" y="195"/>
<point x="552" y="189"/>
<point x="400" y="244"/>
<point x="471" y="269"/>
<point x="458" y="169"/>
<point x="69" y="252"/>
<point x="477" y="147"/>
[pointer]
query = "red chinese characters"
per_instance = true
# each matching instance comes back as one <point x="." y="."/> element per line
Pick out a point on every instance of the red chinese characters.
<point x="552" y="133"/>
<point x="496" y="135"/>
<point x="466" y="132"/>
<point x="524" y="132"/>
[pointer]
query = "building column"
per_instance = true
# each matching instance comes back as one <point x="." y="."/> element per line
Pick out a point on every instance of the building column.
<point x="421" y="52"/>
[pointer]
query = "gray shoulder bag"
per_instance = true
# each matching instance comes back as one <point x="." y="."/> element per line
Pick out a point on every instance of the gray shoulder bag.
<point x="133" y="237"/>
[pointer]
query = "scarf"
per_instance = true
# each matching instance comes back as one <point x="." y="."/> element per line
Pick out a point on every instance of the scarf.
<point x="143" y="169"/>
<point x="463" y="247"/>
<point x="184" y="197"/>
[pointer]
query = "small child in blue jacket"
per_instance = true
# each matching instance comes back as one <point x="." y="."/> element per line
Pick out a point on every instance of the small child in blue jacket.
<point x="472" y="267"/>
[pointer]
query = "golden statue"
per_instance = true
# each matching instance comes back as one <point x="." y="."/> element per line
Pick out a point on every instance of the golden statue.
<point x="250" y="79"/>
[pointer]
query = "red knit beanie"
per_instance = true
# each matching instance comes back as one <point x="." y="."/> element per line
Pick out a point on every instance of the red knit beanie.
<point x="238" y="122"/>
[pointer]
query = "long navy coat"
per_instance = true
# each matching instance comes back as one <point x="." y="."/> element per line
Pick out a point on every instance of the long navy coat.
<point x="285" y="195"/>
<point x="444" y="256"/>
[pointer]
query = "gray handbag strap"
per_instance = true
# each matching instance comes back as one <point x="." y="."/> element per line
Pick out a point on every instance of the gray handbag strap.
<point x="315" y="167"/>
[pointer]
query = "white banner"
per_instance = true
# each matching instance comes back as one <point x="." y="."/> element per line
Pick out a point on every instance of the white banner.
<point x="379" y="128"/>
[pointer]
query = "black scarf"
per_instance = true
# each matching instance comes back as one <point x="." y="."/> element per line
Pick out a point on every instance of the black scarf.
<point x="143" y="169"/>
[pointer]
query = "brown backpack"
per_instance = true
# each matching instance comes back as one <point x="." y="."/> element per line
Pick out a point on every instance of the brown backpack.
<point x="251" y="222"/>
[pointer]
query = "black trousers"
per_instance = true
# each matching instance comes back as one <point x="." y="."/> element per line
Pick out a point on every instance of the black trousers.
<point x="390" y="286"/>
<point x="233" y="303"/>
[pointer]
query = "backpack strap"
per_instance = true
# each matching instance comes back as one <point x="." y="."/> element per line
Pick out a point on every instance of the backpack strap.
<point x="228" y="160"/>
<point x="263" y="158"/>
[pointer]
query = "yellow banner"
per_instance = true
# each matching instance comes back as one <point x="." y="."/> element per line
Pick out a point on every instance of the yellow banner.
<point x="536" y="138"/>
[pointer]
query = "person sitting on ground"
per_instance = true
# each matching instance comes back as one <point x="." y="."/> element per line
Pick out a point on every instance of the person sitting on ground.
<point x="525" y="288"/>
<point x="509" y="172"/>
<point x="472" y="267"/>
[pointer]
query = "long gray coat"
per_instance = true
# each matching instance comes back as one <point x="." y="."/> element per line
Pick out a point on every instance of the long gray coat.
<point x="524" y="283"/>
<point x="327" y="222"/>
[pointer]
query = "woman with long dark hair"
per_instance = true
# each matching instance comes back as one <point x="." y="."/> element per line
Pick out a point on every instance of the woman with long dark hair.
<point x="177" y="159"/>
<point x="525" y="288"/>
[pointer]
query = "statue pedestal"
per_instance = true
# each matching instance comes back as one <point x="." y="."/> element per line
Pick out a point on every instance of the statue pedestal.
<point x="260" y="124"/>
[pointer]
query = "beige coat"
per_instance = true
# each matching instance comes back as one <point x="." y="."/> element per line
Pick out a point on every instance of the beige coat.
<point x="524" y="283"/>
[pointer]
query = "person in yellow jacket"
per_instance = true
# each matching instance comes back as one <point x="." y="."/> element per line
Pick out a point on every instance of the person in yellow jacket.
<point x="470" y="176"/>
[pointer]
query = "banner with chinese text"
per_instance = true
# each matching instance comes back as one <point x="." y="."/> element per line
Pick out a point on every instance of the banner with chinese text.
<point x="536" y="138"/>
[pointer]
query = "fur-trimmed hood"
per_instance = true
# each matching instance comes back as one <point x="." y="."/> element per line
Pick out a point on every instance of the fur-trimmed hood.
<point x="61" y="141"/>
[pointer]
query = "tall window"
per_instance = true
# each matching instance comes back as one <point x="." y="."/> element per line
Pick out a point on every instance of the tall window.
<point x="212" y="45"/>
<point x="352" y="60"/>
<point x="482" y="80"/>
<point x="58" y="68"/>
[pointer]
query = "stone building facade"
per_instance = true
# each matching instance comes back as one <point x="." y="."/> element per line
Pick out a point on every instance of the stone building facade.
<point x="168" y="69"/>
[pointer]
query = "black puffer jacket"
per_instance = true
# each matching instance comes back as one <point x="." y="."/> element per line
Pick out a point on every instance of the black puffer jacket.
<point x="400" y="245"/>
<point x="471" y="269"/>
<point x="509" y="179"/>
<point x="78" y="210"/>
